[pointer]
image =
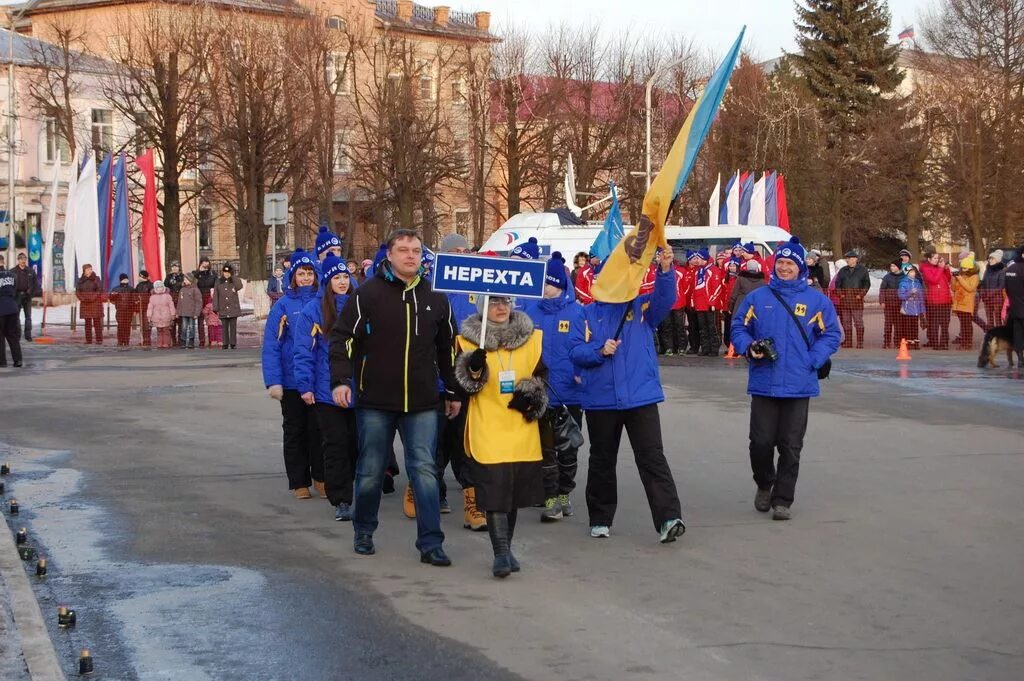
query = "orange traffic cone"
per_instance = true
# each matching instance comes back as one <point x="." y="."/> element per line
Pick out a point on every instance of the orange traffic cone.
<point x="731" y="354"/>
<point x="903" y="355"/>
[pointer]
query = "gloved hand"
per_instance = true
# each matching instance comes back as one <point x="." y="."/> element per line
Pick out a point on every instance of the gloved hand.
<point x="478" y="360"/>
<point x="520" y="402"/>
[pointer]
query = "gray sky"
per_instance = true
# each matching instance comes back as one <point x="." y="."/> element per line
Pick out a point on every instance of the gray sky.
<point x="713" y="24"/>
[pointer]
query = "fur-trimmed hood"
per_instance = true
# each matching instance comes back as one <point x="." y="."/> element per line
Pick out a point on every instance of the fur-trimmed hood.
<point x="508" y="336"/>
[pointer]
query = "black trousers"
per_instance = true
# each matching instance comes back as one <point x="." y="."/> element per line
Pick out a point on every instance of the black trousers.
<point x="890" y="326"/>
<point x="10" y="334"/>
<point x="672" y="332"/>
<point x="559" y="467"/>
<point x="451" y="449"/>
<point x="707" y="323"/>
<point x="230" y="331"/>
<point x="938" y="315"/>
<point x="340" y="450"/>
<point x="1017" y="327"/>
<point x="643" y="426"/>
<point x="777" y="423"/>
<point x="93" y="329"/>
<point x="25" y="307"/>
<point x="692" y="330"/>
<point x="303" y="450"/>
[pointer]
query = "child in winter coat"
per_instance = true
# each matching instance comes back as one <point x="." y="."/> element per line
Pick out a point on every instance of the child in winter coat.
<point x="213" y="325"/>
<point x="190" y="306"/>
<point x="911" y="295"/>
<point x="161" y="313"/>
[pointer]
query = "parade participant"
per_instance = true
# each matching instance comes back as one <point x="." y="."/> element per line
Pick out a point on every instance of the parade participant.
<point x="732" y="272"/>
<point x="395" y="335"/>
<point x="190" y="308"/>
<point x="789" y="331"/>
<point x="585" y="280"/>
<point x="621" y="388"/>
<point x="911" y="296"/>
<point x="327" y="242"/>
<point x="936" y="276"/>
<point x="227" y="305"/>
<point x="505" y="380"/>
<point x="26" y="285"/>
<point x="205" y="279"/>
<point x="313" y="382"/>
<point x="173" y="282"/>
<point x="889" y="300"/>
<point x="672" y="331"/>
<point x="89" y="291"/>
<point x="748" y="252"/>
<point x="303" y="453"/>
<point x="275" y="285"/>
<point x="10" y="334"/>
<point x="965" y="293"/>
<point x="144" y="289"/>
<point x="579" y="263"/>
<point x="692" y="321"/>
<point x="161" y="314"/>
<point x="852" y="285"/>
<point x="555" y="316"/>
<point x="125" y="302"/>
<point x="707" y="287"/>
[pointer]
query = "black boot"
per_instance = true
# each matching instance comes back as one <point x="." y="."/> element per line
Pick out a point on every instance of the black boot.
<point x="512" y="517"/>
<point x="497" y="528"/>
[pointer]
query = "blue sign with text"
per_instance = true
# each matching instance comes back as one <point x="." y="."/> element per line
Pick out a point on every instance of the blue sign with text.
<point x="455" y="273"/>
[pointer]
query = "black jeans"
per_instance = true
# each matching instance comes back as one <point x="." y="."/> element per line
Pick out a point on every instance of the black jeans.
<point x="643" y="426"/>
<point x="340" y="450"/>
<point x="692" y="331"/>
<point x="559" y="467"/>
<point x="93" y="329"/>
<point x="451" y="449"/>
<point x="10" y="331"/>
<point x="230" y="331"/>
<point x="777" y="423"/>
<point x="25" y="307"/>
<point x="938" y="315"/>
<point x="672" y="332"/>
<point x="707" y="323"/>
<point x="303" y="450"/>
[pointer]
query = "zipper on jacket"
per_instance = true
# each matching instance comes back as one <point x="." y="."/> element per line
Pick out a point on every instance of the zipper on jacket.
<point x="408" y="322"/>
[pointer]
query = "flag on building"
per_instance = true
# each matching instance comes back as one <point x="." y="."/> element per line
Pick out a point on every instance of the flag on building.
<point x="907" y="33"/>
<point x="612" y="232"/>
<point x="624" y="271"/>
<point x="150" y="225"/>
<point x="713" y="203"/>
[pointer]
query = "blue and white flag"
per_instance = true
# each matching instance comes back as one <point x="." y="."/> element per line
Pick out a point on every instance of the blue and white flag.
<point x="612" y="232"/>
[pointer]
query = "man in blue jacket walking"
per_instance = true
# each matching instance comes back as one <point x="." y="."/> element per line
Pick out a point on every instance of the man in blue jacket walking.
<point x="621" y="388"/>
<point x="803" y="329"/>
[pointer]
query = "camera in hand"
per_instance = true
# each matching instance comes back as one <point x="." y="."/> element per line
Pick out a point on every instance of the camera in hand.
<point x="765" y="347"/>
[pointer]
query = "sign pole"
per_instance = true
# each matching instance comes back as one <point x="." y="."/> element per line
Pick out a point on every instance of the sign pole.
<point x="483" y="322"/>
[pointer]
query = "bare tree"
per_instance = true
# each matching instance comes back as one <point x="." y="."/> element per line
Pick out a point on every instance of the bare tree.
<point x="57" y="79"/>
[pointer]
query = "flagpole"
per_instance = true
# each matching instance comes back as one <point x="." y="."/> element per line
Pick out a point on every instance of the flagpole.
<point x="483" y="322"/>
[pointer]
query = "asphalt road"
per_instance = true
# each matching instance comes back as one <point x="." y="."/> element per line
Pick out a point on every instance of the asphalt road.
<point x="154" y="483"/>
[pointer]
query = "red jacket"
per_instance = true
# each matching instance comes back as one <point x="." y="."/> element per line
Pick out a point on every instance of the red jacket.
<point x="683" y="285"/>
<point x="648" y="285"/>
<point x="936" y="284"/>
<point x="585" y="280"/>
<point x="727" y="285"/>
<point x="707" y="288"/>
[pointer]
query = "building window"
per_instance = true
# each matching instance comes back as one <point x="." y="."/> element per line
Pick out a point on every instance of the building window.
<point x="342" y="160"/>
<point x="143" y="123"/>
<point x="56" y="145"/>
<point x="462" y="221"/>
<point x="336" y="23"/>
<point x="336" y="75"/>
<point x="426" y="81"/>
<point x="205" y="229"/>
<point x="102" y="132"/>
<point x="458" y="93"/>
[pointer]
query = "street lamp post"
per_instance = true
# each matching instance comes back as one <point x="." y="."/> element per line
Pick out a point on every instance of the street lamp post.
<point x="647" y="102"/>
<point x="11" y="113"/>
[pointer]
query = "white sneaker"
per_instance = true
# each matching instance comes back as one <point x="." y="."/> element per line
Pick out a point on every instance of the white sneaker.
<point x="600" y="531"/>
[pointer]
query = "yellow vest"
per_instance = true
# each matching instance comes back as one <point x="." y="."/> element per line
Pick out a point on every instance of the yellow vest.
<point x="495" y="433"/>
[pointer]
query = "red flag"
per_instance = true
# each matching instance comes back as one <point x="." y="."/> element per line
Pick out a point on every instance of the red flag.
<point x="150" y="230"/>
<point x="783" y="207"/>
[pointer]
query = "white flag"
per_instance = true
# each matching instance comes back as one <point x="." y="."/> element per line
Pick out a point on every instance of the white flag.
<point x="757" y="206"/>
<point x="70" y="269"/>
<point x="87" y="219"/>
<point x="732" y="202"/>
<point x="713" y="203"/>
<point x="49" y="229"/>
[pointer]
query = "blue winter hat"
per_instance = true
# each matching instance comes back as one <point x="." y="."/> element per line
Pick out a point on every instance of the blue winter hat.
<point x="331" y="266"/>
<point x="528" y="251"/>
<point x="555" y="274"/>
<point x="325" y="239"/>
<point x="792" y="250"/>
<point x="379" y="257"/>
<point x="428" y="257"/>
<point x="690" y="255"/>
<point x="704" y="254"/>
<point x="738" y="244"/>
<point x="750" y="248"/>
<point x="300" y="258"/>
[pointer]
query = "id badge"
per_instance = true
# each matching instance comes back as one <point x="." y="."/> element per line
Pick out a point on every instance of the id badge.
<point x="507" y="382"/>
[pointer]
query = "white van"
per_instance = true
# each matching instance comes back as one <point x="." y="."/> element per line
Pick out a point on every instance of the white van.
<point x="552" y="235"/>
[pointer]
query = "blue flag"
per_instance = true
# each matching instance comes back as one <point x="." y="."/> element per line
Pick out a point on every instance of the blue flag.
<point x="120" y="242"/>
<point x="723" y="212"/>
<point x="103" y="200"/>
<point x="746" y="191"/>
<point x="612" y="232"/>
<point x="771" y="200"/>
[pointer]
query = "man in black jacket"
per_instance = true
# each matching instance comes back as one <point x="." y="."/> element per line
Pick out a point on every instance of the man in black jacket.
<point x="8" y="317"/>
<point x="852" y="284"/>
<point x="1014" y="285"/>
<point x="145" y="289"/>
<point x="25" y="286"/>
<point x="392" y="341"/>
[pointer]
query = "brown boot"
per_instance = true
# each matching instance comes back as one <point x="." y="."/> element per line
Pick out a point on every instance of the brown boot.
<point x="320" y="488"/>
<point x="409" y="502"/>
<point x="302" y="493"/>
<point x="474" y="519"/>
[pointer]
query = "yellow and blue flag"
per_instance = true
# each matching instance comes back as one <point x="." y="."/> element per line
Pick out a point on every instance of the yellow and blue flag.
<point x="623" y="273"/>
<point x="612" y="232"/>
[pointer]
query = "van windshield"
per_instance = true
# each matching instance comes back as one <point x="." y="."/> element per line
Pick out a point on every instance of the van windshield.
<point x="714" y="246"/>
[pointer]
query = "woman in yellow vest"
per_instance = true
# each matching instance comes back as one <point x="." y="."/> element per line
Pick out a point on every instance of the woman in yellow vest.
<point x="505" y="382"/>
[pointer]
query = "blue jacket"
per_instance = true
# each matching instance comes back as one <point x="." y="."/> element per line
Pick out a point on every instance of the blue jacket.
<point x="629" y="378"/>
<point x="312" y="367"/>
<point x="760" y="316"/>
<point x="911" y="293"/>
<point x="278" y="337"/>
<point x="558" y="318"/>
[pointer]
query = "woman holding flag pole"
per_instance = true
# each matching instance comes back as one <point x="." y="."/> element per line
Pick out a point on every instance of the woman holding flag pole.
<point x="615" y="350"/>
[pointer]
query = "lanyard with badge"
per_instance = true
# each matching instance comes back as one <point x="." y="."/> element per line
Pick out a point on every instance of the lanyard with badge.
<point x="506" y="378"/>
